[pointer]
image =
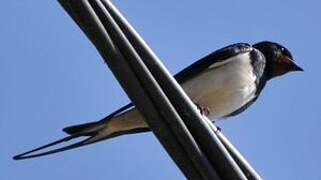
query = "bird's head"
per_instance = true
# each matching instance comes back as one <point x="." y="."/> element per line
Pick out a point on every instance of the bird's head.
<point x="279" y="60"/>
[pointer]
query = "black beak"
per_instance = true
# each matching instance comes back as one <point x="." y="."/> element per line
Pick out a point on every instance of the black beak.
<point x="292" y="65"/>
<point x="295" y="67"/>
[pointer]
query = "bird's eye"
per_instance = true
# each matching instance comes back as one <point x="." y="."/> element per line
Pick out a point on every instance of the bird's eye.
<point x="286" y="52"/>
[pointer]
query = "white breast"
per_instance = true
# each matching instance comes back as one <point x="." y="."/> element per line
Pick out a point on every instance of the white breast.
<point x="225" y="87"/>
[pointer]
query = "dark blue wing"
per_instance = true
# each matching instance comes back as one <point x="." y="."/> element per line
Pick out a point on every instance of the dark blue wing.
<point x="215" y="57"/>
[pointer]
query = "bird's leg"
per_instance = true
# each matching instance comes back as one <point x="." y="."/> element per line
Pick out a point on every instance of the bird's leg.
<point x="203" y="109"/>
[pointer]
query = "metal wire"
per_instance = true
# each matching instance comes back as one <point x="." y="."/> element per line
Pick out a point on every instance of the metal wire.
<point x="209" y="142"/>
<point x="84" y="15"/>
<point x="188" y="138"/>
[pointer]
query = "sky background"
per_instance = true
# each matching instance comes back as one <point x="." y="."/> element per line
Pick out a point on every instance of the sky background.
<point x="51" y="77"/>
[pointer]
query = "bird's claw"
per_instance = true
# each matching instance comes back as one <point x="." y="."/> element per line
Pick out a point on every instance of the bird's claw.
<point x="203" y="109"/>
<point x="218" y="129"/>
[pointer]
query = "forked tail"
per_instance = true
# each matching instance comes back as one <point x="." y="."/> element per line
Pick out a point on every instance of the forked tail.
<point x="32" y="154"/>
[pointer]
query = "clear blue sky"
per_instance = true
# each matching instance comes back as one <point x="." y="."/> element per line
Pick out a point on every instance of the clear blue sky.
<point x="51" y="77"/>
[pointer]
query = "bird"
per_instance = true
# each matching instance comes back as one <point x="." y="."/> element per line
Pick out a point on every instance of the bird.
<point x="222" y="84"/>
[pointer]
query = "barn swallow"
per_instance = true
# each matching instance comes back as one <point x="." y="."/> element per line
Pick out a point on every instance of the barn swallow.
<point x="226" y="82"/>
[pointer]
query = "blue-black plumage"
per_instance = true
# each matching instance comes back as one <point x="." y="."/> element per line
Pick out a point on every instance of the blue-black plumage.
<point x="226" y="82"/>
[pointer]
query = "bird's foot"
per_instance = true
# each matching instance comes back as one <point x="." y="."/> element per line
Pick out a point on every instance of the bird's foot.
<point x="203" y="109"/>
